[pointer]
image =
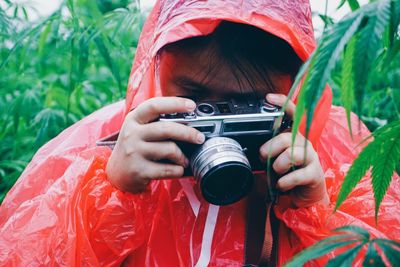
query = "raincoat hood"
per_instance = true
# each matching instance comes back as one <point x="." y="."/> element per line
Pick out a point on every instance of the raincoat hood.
<point x="174" y="20"/>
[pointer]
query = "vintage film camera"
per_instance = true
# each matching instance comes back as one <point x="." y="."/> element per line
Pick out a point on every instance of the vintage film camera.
<point x="235" y="130"/>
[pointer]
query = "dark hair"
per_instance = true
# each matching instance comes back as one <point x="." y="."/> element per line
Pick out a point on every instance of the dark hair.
<point x="248" y="50"/>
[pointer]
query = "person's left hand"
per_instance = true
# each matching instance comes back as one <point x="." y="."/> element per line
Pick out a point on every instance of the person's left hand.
<point x="306" y="184"/>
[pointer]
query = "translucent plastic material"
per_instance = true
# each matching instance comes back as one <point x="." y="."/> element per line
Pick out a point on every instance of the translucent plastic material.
<point x="64" y="212"/>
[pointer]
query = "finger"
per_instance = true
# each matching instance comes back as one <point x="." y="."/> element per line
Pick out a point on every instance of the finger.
<point x="291" y="157"/>
<point x="151" y="109"/>
<point x="162" y="130"/>
<point x="295" y="178"/>
<point x="280" y="100"/>
<point x="165" y="150"/>
<point x="155" y="170"/>
<point x="280" y="143"/>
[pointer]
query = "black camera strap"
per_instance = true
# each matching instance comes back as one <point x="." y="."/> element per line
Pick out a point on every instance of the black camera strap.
<point x="261" y="238"/>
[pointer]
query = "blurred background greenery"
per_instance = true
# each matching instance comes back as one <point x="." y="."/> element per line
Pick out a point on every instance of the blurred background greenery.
<point x="59" y="68"/>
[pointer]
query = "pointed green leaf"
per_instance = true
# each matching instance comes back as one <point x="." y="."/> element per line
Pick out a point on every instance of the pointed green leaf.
<point x="368" y="44"/>
<point x="346" y="258"/>
<point x="391" y="253"/>
<point x="372" y="258"/>
<point x="347" y="83"/>
<point x="383" y="154"/>
<point x="354" y="5"/>
<point x="43" y="37"/>
<point x="355" y="230"/>
<point x="315" y="252"/>
<point x="322" y="62"/>
<point x="357" y="170"/>
<point x="342" y="2"/>
<point x="110" y="63"/>
<point x="385" y="165"/>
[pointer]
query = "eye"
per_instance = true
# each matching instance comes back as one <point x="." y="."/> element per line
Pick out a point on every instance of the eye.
<point x="194" y="91"/>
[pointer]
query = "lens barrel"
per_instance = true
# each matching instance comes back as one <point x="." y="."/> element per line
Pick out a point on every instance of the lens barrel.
<point x="222" y="170"/>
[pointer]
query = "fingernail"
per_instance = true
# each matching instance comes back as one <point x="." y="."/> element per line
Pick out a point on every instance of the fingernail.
<point x="190" y="104"/>
<point x="200" y="138"/>
<point x="272" y="97"/>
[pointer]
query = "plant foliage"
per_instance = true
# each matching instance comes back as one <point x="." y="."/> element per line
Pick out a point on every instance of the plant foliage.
<point x="58" y="69"/>
<point x="356" y="240"/>
<point x="360" y="56"/>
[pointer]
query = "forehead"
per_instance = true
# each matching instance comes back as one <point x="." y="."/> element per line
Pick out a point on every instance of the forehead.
<point x="206" y="70"/>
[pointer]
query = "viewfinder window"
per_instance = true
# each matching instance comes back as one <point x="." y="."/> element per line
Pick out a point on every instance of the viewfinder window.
<point x="224" y="108"/>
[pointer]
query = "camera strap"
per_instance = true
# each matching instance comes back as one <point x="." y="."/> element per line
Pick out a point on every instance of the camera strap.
<point x="261" y="238"/>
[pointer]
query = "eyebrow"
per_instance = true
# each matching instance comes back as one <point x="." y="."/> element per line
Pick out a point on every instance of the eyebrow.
<point x="186" y="82"/>
<point x="195" y="86"/>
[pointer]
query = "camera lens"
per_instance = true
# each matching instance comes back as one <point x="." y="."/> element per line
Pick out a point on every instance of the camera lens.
<point x="205" y="109"/>
<point x="222" y="170"/>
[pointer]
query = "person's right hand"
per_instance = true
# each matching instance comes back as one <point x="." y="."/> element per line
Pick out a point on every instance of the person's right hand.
<point x="143" y="142"/>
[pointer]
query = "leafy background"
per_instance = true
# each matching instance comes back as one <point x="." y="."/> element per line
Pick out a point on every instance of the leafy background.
<point x="59" y="69"/>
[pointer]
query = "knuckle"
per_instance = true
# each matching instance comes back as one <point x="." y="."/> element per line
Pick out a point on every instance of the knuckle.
<point x="191" y="134"/>
<point x="152" y="106"/>
<point x="276" y="166"/>
<point x="309" y="175"/>
<point x="285" y="139"/>
<point x="290" y="153"/>
<point x="165" y="130"/>
<point x="128" y="133"/>
<point x="131" y="116"/>
<point x="168" y="171"/>
<point x="298" y="156"/>
<point x="173" y="150"/>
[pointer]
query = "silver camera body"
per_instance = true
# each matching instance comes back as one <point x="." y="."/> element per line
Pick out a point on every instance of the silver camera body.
<point x="235" y="130"/>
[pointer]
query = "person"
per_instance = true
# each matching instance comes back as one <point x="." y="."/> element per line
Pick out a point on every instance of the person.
<point x="81" y="204"/>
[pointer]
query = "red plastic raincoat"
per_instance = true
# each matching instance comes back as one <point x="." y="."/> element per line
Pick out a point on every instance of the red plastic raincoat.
<point x="63" y="211"/>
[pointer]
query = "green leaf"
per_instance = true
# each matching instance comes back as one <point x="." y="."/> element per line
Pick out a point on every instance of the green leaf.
<point x="354" y="5"/>
<point x="348" y="80"/>
<point x="47" y="120"/>
<point x="322" y="62"/>
<point x="316" y="251"/>
<point x="326" y="19"/>
<point x="372" y="258"/>
<point x="342" y="2"/>
<point x="389" y="242"/>
<point x="346" y="258"/>
<point x="83" y="57"/>
<point x="354" y="230"/>
<point x="385" y="165"/>
<point x="13" y="164"/>
<point x="395" y="23"/>
<point x="25" y="13"/>
<point x="110" y="63"/>
<point x="369" y="42"/>
<point x="383" y="154"/>
<point x="43" y="37"/>
<point x="391" y="253"/>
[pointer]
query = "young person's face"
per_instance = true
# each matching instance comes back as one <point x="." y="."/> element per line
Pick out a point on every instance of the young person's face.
<point x="201" y="77"/>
